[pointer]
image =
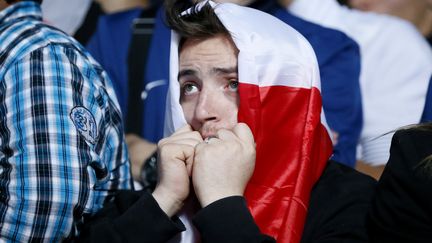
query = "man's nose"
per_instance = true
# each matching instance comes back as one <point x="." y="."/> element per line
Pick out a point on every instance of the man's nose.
<point x="206" y="107"/>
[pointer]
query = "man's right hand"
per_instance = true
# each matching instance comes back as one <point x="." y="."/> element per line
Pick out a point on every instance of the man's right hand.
<point x="176" y="155"/>
<point x="224" y="165"/>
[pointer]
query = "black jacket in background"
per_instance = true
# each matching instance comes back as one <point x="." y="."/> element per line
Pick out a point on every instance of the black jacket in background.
<point x="402" y="207"/>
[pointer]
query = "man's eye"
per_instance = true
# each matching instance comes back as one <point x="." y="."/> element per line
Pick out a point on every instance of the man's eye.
<point x="233" y="85"/>
<point x="189" y="89"/>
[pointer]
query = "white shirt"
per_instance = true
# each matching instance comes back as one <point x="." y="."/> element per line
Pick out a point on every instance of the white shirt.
<point x="66" y="15"/>
<point x="396" y="68"/>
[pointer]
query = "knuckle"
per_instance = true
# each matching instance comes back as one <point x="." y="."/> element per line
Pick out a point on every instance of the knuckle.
<point x="196" y="134"/>
<point x="162" y="142"/>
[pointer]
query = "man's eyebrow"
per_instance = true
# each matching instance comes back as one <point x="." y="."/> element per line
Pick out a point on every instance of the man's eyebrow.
<point x="186" y="72"/>
<point x="230" y="70"/>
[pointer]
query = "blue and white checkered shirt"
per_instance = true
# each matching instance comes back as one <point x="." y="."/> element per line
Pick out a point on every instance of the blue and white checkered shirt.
<point x="62" y="148"/>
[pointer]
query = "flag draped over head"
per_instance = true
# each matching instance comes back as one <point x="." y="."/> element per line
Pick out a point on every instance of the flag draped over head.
<point x="280" y="100"/>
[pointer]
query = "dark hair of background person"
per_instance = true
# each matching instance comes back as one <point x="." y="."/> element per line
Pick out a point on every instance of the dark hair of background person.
<point x="426" y="164"/>
<point x="343" y="2"/>
<point x="426" y="126"/>
<point x="198" y="24"/>
<point x="14" y="1"/>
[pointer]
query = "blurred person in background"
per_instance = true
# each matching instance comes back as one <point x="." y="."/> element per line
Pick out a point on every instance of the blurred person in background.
<point x="122" y="43"/>
<point x="418" y="12"/>
<point x="396" y="69"/>
<point x="79" y="17"/>
<point x="401" y="209"/>
<point x="65" y="14"/>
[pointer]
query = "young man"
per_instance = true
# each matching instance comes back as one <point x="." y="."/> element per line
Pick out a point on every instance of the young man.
<point x="245" y="116"/>
<point x="62" y="150"/>
<point x="338" y="58"/>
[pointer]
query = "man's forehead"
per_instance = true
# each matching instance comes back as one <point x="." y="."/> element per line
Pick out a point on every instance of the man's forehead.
<point x="222" y="38"/>
<point x="191" y="71"/>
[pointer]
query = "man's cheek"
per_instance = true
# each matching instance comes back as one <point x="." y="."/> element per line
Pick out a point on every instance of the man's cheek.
<point x="187" y="112"/>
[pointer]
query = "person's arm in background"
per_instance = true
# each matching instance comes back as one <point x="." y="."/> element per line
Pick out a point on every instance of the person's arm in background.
<point x="56" y="127"/>
<point x="342" y="98"/>
<point x="109" y="45"/>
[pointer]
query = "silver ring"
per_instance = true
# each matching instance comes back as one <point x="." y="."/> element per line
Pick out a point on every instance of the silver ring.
<point x="207" y="139"/>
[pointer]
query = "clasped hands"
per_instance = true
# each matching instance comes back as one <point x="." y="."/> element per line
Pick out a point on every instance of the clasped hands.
<point x="217" y="168"/>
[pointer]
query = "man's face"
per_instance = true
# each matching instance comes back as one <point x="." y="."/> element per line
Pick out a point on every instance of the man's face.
<point x="208" y="80"/>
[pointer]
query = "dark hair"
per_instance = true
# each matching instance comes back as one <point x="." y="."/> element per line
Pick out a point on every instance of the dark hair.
<point x="200" y="23"/>
<point x="13" y="1"/>
<point x="425" y="127"/>
<point x="426" y="164"/>
<point x="344" y="2"/>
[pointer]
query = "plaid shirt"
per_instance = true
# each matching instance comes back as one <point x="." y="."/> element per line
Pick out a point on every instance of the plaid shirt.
<point x="62" y="148"/>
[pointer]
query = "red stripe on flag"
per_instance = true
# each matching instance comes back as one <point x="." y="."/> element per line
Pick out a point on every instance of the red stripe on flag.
<point x="292" y="150"/>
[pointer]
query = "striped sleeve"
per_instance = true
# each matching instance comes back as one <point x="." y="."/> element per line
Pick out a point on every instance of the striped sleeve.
<point x="62" y="148"/>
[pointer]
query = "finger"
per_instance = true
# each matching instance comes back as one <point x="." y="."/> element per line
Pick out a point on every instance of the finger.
<point x="190" y="134"/>
<point x="244" y="133"/>
<point x="199" y="147"/>
<point x="184" y="141"/>
<point x="177" y="137"/>
<point x="189" y="164"/>
<point x="187" y="153"/>
<point x="210" y="139"/>
<point x="185" y="128"/>
<point x="224" y="134"/>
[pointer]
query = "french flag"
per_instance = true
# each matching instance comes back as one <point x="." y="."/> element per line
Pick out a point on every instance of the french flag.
<point x="280" y="100"/>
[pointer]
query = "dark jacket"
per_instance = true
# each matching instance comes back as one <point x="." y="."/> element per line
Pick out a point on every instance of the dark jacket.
<point x="337" y="212"/>
<point x="402" y="207"/>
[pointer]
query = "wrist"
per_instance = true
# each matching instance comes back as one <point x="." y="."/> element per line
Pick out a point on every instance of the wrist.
<point x="210" y="198"/>
<point x="170" y="205"/>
